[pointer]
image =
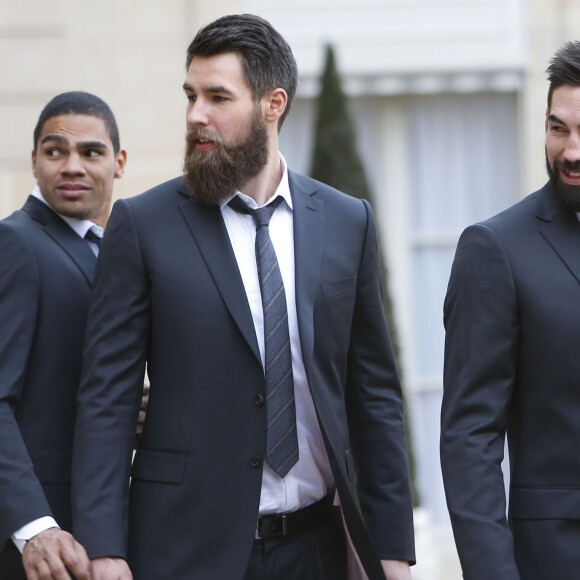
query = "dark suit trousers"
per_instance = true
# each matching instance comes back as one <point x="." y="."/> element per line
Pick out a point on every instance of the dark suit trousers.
<point x="317" y="554"/>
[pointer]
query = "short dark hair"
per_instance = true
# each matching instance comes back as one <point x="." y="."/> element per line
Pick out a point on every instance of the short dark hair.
<point x="564" y="68"/>
<point x="79" y="103"/>
<point x="268" y="62"/>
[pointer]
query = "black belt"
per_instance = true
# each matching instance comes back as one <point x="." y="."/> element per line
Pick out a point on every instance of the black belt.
<point x="278" y="525"/>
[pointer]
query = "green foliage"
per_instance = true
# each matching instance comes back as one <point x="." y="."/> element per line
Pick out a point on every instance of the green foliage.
<point x="336" y="162"/>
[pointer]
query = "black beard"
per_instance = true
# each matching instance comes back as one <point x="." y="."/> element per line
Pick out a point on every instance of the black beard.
<point x="567" y="195"/>
<point x="217" y="174"/>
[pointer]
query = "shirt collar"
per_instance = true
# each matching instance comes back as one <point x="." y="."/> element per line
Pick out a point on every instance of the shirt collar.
<point x="81" y="227"/>
<point x="282" y="190"/>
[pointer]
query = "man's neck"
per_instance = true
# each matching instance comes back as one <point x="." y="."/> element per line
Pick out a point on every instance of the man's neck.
<point x="262" y="187"/>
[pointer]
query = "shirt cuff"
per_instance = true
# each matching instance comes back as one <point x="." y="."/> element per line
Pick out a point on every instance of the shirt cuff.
<point x="25" y="533"/>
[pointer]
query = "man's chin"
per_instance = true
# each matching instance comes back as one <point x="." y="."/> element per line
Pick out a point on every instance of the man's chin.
<point x="568" y="195"/>
<point x="207" y="190"/>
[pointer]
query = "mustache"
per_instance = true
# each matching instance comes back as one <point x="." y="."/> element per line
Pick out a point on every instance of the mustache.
<point x="567" y="165"/>
<point x="196" y="134"/>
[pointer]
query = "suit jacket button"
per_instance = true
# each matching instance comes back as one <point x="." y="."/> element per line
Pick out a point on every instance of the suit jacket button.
<point x="259" y="400"/>
<point x="255" y="461"/>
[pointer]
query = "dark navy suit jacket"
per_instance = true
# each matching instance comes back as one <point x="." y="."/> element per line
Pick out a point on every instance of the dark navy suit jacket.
<point x="46" y="271"/>
<point x="168" y="293"/>
<point x="512" y="363"/>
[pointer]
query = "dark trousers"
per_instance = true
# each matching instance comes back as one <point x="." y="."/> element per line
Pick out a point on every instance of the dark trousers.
<point x="316" y="554"/>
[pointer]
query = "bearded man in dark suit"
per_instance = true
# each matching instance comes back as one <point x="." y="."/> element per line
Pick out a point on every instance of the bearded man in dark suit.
<point x="253" y="294"/>
<point x="512" y="315"/>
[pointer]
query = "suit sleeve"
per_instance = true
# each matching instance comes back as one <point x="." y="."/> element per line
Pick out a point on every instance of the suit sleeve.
<point x="375" y="415"/>
<point x="481" y="346"/>
<point x="22" y="498"/>
<point x="110" y="391"/>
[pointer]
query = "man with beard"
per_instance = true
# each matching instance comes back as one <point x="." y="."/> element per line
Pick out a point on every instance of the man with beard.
<point x="253" y="295"/>
<point x="512" y="315"/>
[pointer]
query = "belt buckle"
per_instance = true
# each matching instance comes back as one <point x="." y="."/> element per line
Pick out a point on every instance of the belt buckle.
<point x="282" y="532"/>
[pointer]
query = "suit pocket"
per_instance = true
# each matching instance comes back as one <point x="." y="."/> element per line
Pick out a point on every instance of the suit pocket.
<point x="338" y="288"/>
<point x="51" y="467"/>
<point x="159" y="466"/>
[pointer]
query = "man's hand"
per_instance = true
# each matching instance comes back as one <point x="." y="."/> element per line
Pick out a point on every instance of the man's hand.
<point x="110" y="569"/>
<point x="49" y="554"/>
<point x="396" y="569"/>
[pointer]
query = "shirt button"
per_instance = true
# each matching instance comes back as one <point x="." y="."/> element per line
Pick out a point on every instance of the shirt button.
<point x="259" y="400"/>
<point x="255" y="461"/>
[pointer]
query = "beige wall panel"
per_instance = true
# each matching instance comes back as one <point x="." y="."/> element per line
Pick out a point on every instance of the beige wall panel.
<point x="14" y="188"/>
<point x="17" y="123"/>
<point x="16" y="13"/>
<point x="28" y="65"/>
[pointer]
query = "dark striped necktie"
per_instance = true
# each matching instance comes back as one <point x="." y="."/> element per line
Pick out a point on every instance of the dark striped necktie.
<point x="281" y="435"/>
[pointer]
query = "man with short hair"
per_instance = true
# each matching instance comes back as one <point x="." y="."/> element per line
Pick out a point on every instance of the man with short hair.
<point x="512" y="315"/>
<point x="253" y="294"/>
<point x="47" y="261"/>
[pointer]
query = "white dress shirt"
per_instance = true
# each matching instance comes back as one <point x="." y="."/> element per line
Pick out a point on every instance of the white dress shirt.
<point x="311" y="478"/>
<point x="80" y="227"/>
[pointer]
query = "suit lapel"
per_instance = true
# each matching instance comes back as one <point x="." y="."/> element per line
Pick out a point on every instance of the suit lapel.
<point x="76" y="248"/>
<point x="207" y="227"/>
<point x="308" y="233"/>
<point x="561" y="229"/>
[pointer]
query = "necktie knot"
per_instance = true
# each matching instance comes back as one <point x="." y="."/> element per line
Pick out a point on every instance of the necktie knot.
<point x="261" y="215"/>
<point x="91" y="236"/>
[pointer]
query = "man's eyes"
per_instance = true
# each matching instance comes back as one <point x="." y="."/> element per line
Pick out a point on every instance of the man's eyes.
<point x="214" y="98"/>
<point x="56" y="153"/>
<point x="557" y="128"/>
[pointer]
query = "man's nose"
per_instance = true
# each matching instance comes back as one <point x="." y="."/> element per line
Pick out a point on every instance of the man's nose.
<point x="572" y="151"/>
<point x="197" y="115"/>
<point x="73" y="165"/>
